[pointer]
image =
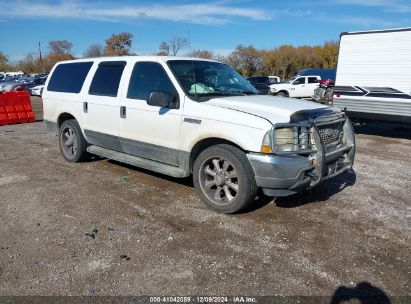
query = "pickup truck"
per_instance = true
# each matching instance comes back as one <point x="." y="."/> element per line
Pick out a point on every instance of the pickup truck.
<point x="193" y="117"/>
<point x="299" y="87"/>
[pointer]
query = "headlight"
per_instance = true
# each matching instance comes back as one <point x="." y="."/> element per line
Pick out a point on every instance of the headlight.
<point x="273" y="89"/>
<point x="293" y="139"/>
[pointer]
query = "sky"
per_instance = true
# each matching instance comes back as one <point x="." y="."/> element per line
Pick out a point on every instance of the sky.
<point x="218" y="25"/>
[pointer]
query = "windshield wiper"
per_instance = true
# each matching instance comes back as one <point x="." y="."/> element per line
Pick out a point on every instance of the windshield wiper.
<point x="249" y="93"/>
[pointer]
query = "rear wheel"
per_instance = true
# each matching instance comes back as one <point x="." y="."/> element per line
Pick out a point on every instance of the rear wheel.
<point x="72" y="142"/>
<point x="224" y="179"/>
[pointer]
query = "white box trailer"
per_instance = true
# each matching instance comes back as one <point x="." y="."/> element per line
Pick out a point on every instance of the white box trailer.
<point x="373" y="80"/>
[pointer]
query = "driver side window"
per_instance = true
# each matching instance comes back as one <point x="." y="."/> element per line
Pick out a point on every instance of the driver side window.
<point x="148" y="77"/>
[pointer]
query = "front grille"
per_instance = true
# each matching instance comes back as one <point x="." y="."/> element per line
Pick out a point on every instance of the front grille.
<point x="331" y="135"/>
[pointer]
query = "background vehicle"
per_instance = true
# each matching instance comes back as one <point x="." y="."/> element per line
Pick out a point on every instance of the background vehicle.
<point x="374" y="75"/>
<point x="324" y="93"/>
<point x="37" y="90"/>
<point x="299" y="86"/>
<point x="262" y="83"/>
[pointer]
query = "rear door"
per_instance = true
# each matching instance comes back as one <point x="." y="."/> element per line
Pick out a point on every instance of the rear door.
<point x="101" y="107"/>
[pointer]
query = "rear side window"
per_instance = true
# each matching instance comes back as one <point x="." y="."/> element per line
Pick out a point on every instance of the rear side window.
<point x="312" y="79"/>
<point x="106" y="80"/>
<point x="69" y="77"/>
<point x="148" y="77"/>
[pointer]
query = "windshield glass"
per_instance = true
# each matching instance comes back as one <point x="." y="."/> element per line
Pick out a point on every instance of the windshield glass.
<point x="205" y="78"/>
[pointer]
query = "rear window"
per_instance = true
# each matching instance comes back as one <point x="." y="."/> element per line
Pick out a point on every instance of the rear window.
<point x="107" y="78"/>
<point x="69" y="77"/>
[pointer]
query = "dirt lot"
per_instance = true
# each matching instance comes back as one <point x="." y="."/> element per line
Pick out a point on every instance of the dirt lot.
<point x="351" y="232"/>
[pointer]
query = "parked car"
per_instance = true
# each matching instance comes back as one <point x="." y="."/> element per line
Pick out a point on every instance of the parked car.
<point x="34" y="83"/>
<point x="184" y="116"/>
<point x="300" y="87"/>
<point x="373" y="75"/>
<point x="37" y="90"/>
<point x="262" y="83"/>
<point x="12" y="85"/>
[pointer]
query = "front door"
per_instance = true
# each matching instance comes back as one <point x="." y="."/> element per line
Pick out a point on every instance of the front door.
<point x="148" y="131"/>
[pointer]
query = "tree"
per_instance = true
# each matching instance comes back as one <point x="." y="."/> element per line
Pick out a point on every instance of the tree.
<point x="4" y="62"/>
<point x="247" y="60"/>
<point x="60" y="47"/>
<point x="329" y="54"/>
<point x="177" y="44"/>
<point x="164" y="49"/>
<point x="94" y="50"/>
<point x="118" y="44"/>
<point x="206" y="54"/>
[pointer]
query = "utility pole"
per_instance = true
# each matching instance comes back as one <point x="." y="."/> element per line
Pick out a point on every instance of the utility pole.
<point x="41" y="60"/>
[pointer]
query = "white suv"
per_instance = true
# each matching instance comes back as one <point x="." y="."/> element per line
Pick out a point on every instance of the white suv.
<point x="185" y="116"/>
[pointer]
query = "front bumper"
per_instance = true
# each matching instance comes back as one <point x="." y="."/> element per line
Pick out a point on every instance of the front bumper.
<point x="284" y="175"/>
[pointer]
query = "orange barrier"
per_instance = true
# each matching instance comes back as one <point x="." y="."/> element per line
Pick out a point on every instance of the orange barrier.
<point x="15" y="107"/>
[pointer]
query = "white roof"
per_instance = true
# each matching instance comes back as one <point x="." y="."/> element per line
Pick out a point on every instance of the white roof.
<point x="129" y="58"/>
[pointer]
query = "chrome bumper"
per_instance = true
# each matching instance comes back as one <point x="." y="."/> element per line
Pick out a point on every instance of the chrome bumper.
<point x="283" y="175"/>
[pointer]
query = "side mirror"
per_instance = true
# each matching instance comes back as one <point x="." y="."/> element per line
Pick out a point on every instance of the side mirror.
<point x="163" y="100"/>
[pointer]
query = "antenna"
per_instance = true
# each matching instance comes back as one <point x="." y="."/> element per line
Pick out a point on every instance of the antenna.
<point x="41" y="60"/>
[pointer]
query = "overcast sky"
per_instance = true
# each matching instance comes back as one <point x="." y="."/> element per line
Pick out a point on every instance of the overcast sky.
<point x="212" y="25"/>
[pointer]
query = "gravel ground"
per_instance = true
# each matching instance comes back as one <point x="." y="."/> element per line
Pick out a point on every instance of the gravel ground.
<point x="124" y="231"/>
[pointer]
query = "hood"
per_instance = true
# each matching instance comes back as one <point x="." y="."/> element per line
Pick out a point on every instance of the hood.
<point x="274" y="109"/>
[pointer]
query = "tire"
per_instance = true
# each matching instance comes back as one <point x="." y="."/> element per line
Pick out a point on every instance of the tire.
<point x="224" y="179"/>
<point x="72" y="143"/>
<point x="282" y="94"/>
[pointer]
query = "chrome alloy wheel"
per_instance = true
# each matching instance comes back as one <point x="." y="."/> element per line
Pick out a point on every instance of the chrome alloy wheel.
<point x="69" y="142"/>
<point x="219" y="180"/>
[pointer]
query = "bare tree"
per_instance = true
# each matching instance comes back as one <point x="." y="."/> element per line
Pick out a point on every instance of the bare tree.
<point x="4" y="62"/>
<point x="94" y="50"/>
<point x="177" y="44"/>
<point x="59" y="47"/>
<point x="206" y="54"/>
<point x="164" y="49"/>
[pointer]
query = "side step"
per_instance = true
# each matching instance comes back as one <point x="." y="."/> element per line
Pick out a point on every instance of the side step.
<point x="138" y="161"/>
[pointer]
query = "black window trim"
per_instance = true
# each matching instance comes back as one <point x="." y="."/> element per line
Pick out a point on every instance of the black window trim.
<point x="169" y="78"/>
<point x="108" y="63"/>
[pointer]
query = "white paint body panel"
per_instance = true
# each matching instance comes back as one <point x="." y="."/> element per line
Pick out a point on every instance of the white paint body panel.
<point x="243" y="120"/>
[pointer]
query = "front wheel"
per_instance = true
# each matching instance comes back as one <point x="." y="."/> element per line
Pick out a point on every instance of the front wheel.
<point x="224" y="179"/>
<point x="281" y="94"/>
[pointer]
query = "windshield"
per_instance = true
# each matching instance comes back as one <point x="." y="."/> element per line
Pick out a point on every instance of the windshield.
<point x="205" y="78"/>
